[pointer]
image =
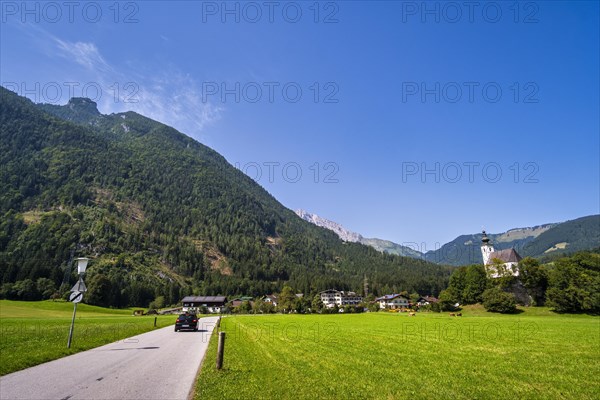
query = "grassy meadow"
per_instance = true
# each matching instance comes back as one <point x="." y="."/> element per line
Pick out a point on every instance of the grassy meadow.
<point x="35" y="332"/>
<point x="534" y="354"/>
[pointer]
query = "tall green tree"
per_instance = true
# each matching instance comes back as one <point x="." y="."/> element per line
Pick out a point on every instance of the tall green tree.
<point x="286" y="300"/>
<point x="448" y="299"/>
<point x="457" y="283"/>
<point x="99" y="289"/>
<point x="476" y="282"/>
<point x="302" y="304"/>
<point x="26" y="290"/>
<point x="45" y="287"/>
<point x="535" y="279"/>
<point x="245" y="307"/>
<point x="316" y="304"/>
<point x="574" y="284"/>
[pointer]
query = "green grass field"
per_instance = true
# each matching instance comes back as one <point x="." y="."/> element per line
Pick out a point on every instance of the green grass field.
<point x="35" y="332"/>
<point x="535" y="354"/>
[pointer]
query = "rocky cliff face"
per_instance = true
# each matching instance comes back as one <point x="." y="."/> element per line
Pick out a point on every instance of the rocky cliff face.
<point x="343" y="233"/>
<point x="385" y="246"/>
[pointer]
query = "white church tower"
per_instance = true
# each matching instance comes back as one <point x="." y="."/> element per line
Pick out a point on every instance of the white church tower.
<point x="486" y="249"/>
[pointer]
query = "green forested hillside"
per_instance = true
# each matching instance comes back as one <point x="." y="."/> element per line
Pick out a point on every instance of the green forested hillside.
<point x="466" y="249"/>
<point x="539" y="241"/>
<point x="160" y="214"/>
<point x="571" y="236"/>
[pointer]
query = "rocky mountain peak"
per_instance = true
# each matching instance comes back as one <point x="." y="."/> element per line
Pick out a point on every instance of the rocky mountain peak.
<point x="83" y="105"/>
<point x="343" y="233"/>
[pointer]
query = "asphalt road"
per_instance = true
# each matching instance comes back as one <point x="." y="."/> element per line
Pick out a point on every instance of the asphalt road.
<point x="161" y="364"/>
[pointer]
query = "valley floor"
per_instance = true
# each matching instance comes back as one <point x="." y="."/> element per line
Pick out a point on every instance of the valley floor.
<point x="534" y="354"/>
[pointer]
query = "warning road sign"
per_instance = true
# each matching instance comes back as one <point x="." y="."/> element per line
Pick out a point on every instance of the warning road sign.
<point x="79" y="286"/>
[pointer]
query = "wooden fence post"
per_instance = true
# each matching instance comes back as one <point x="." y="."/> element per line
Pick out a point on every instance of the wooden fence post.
<point x="220" y="350"/>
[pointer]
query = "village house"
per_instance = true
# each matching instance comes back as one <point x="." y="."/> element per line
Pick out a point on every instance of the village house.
<point x="194" y="304"/>
<point x="239" y="300"/>
<point x="330" y="298"/>
<point x="425" y="301"/>
<point x="272" y="298"/>
<point x="393" y="302"/>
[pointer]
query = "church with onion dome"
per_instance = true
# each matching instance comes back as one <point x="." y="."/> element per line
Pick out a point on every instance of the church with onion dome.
<point x="508" y="258"/>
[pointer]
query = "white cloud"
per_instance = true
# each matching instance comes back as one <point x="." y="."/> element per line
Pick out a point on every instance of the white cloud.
<point x="168" y="96"/>
<point x="85" y="54"/>
<point x="175" y="100"/>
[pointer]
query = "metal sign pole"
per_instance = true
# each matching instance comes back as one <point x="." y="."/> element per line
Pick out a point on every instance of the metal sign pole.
<point x="72" y="324"/>
<point x="77" y="293"/>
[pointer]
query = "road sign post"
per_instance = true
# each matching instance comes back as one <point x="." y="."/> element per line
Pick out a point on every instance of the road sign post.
<point x="77" y="294"/>
<point x="72" y="325"/>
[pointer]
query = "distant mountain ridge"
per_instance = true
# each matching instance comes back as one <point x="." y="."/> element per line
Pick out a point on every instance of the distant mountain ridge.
<point x="385" y="246"/>
<point x="466" y="249"/>
<point x="536" y="241"/>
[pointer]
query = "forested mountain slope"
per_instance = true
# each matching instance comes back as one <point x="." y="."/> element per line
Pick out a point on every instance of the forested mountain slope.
<point x="538" y="241"/>
<point x="160" y="214"/>
<point x="568" y="237"/>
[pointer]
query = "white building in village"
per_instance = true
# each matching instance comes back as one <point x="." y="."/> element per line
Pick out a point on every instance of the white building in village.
<point x="330" y="298"/>
<point x="272" y="298"/>
<point x="213" y="304"/>
<point x="509" y="257"/>
<point x="393" y="302"/>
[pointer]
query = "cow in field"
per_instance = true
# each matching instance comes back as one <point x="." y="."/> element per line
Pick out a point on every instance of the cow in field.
<point x="452" y="315"/>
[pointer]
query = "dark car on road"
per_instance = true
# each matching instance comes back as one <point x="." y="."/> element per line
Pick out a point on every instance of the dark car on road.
<point x="186" y="321"/>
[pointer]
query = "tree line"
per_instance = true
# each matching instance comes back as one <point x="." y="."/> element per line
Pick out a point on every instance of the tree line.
<point x="568" y="285"/>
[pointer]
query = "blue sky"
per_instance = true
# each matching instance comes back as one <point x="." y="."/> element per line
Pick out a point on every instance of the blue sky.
<point x="408" y="121"/>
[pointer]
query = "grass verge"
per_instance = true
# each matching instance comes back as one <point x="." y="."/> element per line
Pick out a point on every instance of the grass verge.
<point x="32" y="333"/>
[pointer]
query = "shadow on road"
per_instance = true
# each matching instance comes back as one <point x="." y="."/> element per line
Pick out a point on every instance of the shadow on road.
<point x="137" y="348"/>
